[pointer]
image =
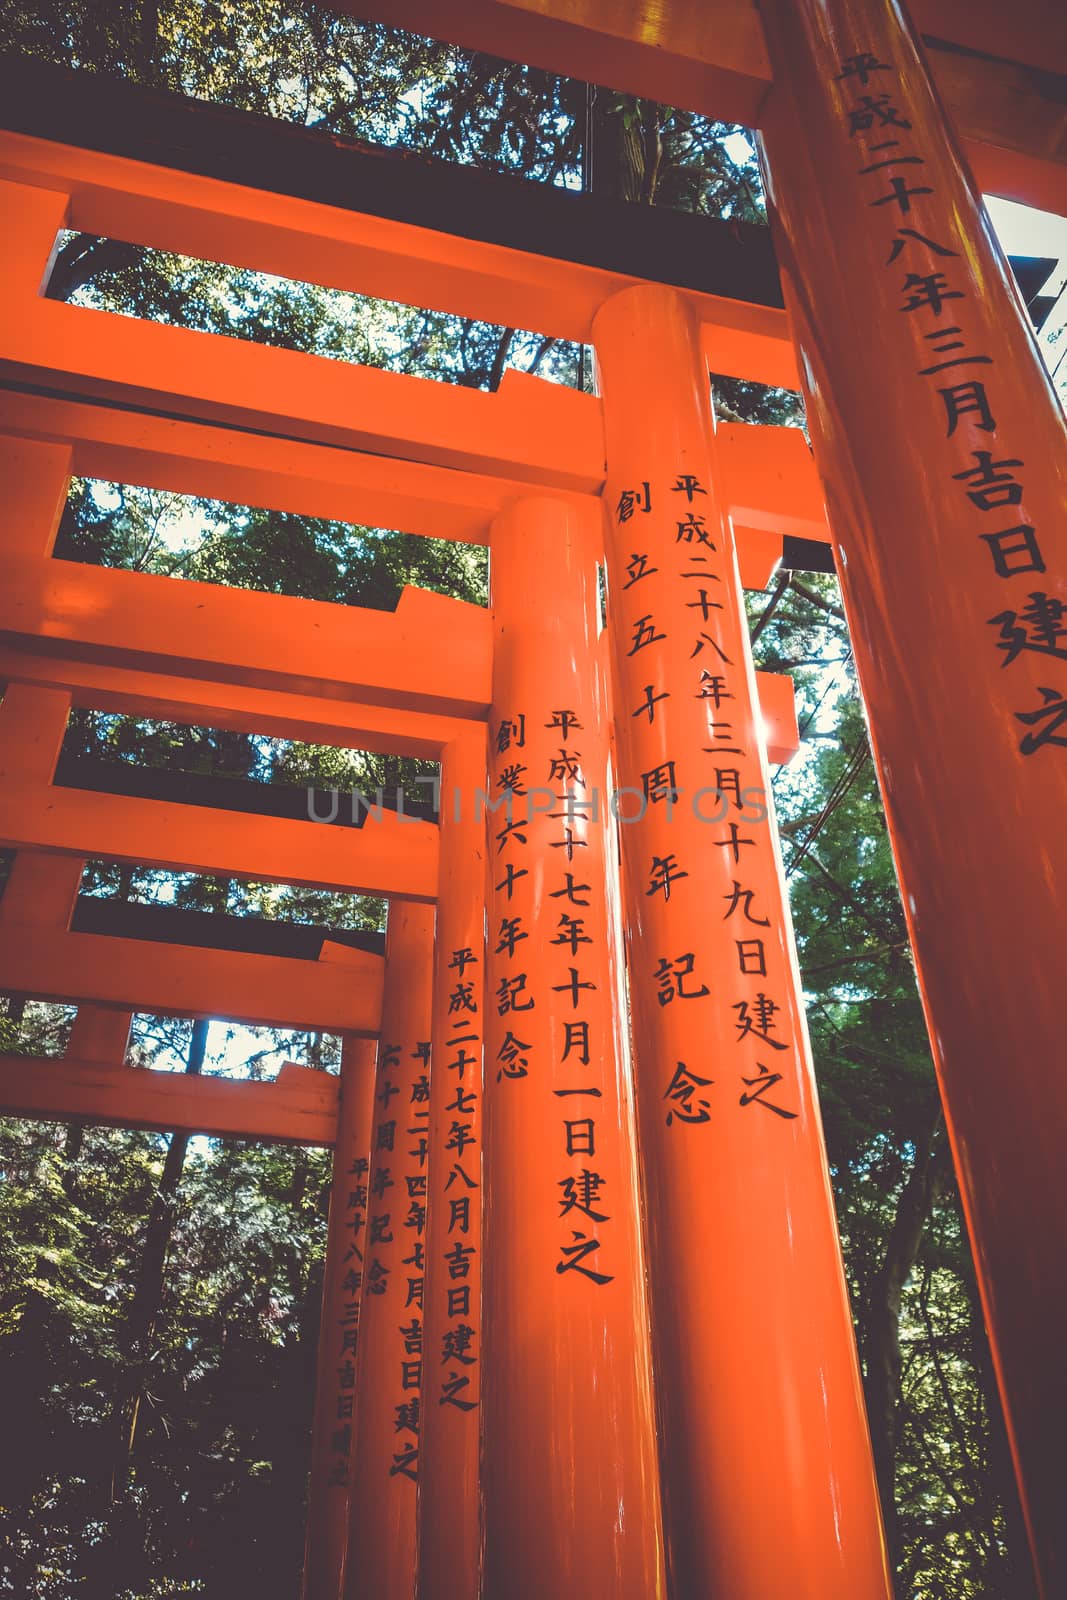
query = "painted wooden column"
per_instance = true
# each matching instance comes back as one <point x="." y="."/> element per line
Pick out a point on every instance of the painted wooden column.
<point x="569" y="1470"/>
<point x="380" y="1564"/>
<point x="36" y="477"/>
<point x="330" y="1484"/>
<point x="942" y="450"/>
<point x="448" y="1498"/>
<point x="33" y="724"/>
<point x="33" y="219"/>
<point x="768" y="1477"/>
<point x="100" y="1034"/>
<point x="42" y="886"/>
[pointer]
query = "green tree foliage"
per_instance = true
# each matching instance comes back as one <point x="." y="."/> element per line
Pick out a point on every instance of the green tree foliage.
<point x="198" y="1267"/>
<point x="221" y="1448"/>
<point x="951" y="1508"/>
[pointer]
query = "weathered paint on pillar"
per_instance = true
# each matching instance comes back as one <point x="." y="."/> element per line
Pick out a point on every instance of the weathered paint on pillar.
<point x="448" y="1508"/>
<point x="381" y="1534"/>
<point x="330" y="1484"/>
<point x="569" y="1470"/>
<point x="942" y="450"/>
<point x="768" y="1479"/>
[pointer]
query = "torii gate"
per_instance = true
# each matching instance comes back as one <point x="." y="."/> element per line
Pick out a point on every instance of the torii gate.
<point x="552" y="1389"/>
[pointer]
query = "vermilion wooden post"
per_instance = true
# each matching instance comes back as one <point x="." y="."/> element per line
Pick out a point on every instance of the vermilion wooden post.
<point x="570" y="1482"/>
<point x="33" y="722"/>
<point x="330" y="1484"/>
<point x="942" y="449"/>
<point x="381" y="1534"/>
<point x="42" y="887"/>
<point x="448" y="1504"/>
<point x="100" y="1033"/>
<point x="36" y="477"/>
<point x="768" y="1478"/>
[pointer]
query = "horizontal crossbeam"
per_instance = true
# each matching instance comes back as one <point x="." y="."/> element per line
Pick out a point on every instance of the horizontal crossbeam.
<point x="118" y="118"/>
<point x="390" y="857"/>
<point x="530" y="429"/>
<point x="770" y="482"/>
<point x="339" y="993"/>
<point x="215" y="791"/>
<point x="215" y="930"/>
<point x="999" y="69"/>
<point x="121" y="445"/>
<point x="299" y="1107"/>
<point x="203" y="630"/>
<point x="525" y="255"/>
<point x="238" y="708"/>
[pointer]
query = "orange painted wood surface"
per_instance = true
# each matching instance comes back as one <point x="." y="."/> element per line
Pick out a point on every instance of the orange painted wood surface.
<point x="778" y="713"/>
<point x="100" y="1033"/>
<point x="390" y="857"/>
<point x="181" y="980"/>
<point x="204" y="630"/>
<point x="294" y="475"/>
<point x="33" y="722"/>
<point x="449" y="1502"/>
<point x="35" y="473"/>
<point x="330" y="1478"/>
<point x="207" y="703"/>
<point x="290" y="716"/>
<point x="41" y="890"/>
<point x="529" y="429"/>
<point x="299" y="1107"/>
<point x="733" y="1160"/>
<point x="947" y="486"/>
<point x="570" y="1476"/>
<point x="300" y="239"/>
<point x="770" y="480"/>
<point x="391" y="1361"/>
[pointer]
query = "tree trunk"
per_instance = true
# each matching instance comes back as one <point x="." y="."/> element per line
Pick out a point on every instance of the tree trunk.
<point x="82" y="258"/>
<point x="882" y="1340"/>
<point x="1016" y="1572"/>
<point x="136" y="1337"/>
<point x="72" y="1149"/>
<point x="627" y="150"/>
<point x="147" y="44"/>
<point x="26" y="1363"/>
<point x="287" y="1437"/>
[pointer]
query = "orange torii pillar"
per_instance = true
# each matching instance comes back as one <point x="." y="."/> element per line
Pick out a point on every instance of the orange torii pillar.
<point x="41" y="892"/>
<point x="942" y="450"/>
<point x="569" y="1469"/>
<point x="380" y="1564"/>
<point x="335" y="1387"/>
<point x="448" y="1507"/>
<point x="769" y="1484"/>
<point x="36" y="478"/>
<point x="33" y="724"/>
<point x="100" y="1034"/>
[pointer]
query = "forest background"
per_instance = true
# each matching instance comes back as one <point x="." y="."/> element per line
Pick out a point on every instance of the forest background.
<point x="159" y="1297"/>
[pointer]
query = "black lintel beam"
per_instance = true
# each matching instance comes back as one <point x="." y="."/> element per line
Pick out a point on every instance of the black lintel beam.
<point x="289" y="801"/>
<point x="806" y="555"/>
<point x="728" y="258"/>
<point x="213" y="930"/>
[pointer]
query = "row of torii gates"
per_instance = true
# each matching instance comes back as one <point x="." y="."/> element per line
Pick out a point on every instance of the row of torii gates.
<point x="548" y="1367"/>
